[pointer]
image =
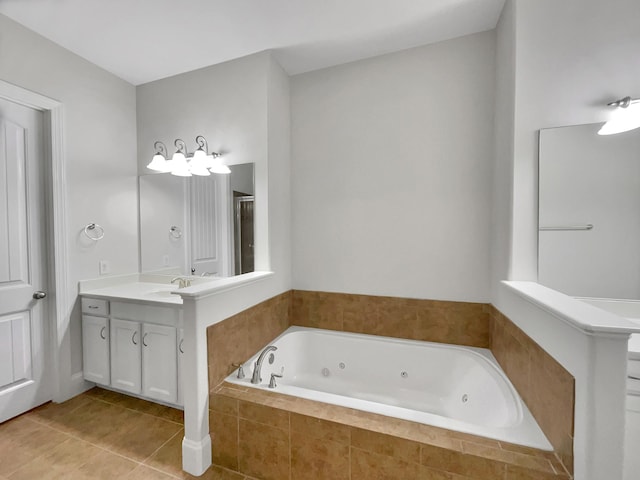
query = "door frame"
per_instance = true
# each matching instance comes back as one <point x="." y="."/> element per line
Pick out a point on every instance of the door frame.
<point x="56" y="241"/>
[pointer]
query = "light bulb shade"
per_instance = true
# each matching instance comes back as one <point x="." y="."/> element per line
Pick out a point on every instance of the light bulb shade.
<point x="200" y="170"/>
<point x="199" y="155"/>
<point x="181" y="172"/>
<point x="158" y="163"/>
<point x="179" y="165"/>
<point x="217" y="166"/>
<point x="622" y="120"/>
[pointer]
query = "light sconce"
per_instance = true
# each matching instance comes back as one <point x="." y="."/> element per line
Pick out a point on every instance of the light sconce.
<point x="184" y="164"/>
<point x="625" y="117"/>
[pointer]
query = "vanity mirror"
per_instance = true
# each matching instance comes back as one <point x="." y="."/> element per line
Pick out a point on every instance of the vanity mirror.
<point x="197" y="225"/>
<point x="589" y="212"/>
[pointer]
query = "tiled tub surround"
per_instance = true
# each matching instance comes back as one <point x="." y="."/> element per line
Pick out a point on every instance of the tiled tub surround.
<point x="458" y="323"/>
<point x="545" y="386"/>
<point x="238" y="338"/>
<point x="278" y="437"/>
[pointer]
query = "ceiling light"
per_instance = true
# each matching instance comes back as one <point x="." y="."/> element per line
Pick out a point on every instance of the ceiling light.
<point x="625" y="117"/>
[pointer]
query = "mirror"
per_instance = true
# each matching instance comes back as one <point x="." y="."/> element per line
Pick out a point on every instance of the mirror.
<point x="197" y="225"/>
<point x="589" y="212"/>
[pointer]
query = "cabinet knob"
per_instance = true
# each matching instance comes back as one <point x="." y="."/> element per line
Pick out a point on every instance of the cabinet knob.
<point x="39" y="295"/>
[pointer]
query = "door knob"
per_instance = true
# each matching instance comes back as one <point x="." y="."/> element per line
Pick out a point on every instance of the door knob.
<point x="39" y="295"/>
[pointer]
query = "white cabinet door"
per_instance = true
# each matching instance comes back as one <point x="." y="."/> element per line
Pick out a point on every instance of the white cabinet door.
<point x="126" y="355"/>
<point x="180" y="360"/>
<point x="95" y="349"/>
<point x="159" y="365"/>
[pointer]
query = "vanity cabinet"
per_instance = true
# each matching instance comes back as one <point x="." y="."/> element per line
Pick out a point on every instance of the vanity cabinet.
<point x="134" y="348"/>
<point x="95" y="344"/>
<point x="159" y="363"/>
<point x="126" y="356"/>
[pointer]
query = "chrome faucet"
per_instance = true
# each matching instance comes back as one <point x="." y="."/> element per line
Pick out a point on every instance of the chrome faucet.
<point x="183" y="282"/>
<point x="258" y="365"/>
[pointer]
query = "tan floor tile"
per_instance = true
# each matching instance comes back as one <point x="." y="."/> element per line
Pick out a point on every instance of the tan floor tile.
<point x="217" y="473"/>
<point x="50" y="413"/>
<point x="168" y="458"/>
<point x="105" y="466"/>
<point x="57" y="462"/>
<point x="140" y="437"/>
<point x="143" y="472"/>
<point x="31" y="441"/>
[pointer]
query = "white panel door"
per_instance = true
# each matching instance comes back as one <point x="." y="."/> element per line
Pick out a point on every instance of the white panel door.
<point x="24" y="355"/>
<point x="209" y="219"/>
<point x="126" y="359"/>
<point x="95" y="349"/>
<point x="159" y="363"/>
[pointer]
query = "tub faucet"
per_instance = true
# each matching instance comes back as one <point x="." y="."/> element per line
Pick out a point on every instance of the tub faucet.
<point x="258" y="365"/>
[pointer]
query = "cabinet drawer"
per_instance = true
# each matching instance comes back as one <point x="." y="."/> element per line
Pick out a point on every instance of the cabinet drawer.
<point x="95" y="306"/>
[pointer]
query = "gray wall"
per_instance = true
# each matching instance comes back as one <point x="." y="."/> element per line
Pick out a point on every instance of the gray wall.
<point x="242" y="108"/>
<point x="391" y="177"/>
<point x="100" y="151"/>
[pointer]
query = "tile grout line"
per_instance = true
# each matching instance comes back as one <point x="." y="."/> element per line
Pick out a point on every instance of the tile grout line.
<point x="144" y="462"/>
<point x="138" y="411"/>
<point x="101" y="447"/>
<point x="33" y="459"/>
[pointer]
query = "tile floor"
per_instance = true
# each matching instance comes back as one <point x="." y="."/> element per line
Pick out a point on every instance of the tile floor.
<point x="97" y="435"/>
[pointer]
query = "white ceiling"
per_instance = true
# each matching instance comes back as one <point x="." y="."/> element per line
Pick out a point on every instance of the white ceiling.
<point x="145" y="40"/>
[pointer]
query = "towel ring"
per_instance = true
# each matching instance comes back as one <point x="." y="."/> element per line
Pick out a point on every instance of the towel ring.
<point x="98" y="231"/>
<point x="175" y="232"/>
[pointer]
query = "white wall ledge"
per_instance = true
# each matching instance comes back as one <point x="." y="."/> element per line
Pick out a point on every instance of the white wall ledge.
<point x="215" y="287"/>
<point x="579" y="315"/>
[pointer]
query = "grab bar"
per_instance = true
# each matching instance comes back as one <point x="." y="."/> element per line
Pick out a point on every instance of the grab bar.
<point x="588" y="226"/>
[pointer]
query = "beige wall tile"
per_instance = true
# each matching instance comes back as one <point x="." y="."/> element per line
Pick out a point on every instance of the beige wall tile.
<point x="264" y="414"/>
<point x="372" y="466"/>
<point x="320" y="429"/>
<point x="479" y="468"/>
<point x="264" y="451"/>
<point x="385" y="445"/>
<point x="318" y="459"/>
<point x="224" y="439"/>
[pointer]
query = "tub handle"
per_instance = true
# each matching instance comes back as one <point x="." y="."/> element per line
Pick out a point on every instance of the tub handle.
<point x="240" y="368"/>
<point x="272" y="382"/>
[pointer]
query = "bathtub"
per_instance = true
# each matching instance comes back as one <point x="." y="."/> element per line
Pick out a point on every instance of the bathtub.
<point x="447" y="386"/>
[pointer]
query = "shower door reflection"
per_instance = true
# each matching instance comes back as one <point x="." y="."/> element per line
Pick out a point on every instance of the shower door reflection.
<point x="243" y="232"/>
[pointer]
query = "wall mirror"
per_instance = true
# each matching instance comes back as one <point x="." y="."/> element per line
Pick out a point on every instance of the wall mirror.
<point x="589" y="212"/>
<point x="198" y="225"/>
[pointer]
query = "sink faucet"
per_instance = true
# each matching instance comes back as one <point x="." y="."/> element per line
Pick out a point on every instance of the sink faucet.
<point x="183" y="282"/>
<point x="258" y="365"/>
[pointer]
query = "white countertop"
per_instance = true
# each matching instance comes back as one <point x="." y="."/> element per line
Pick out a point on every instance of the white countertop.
<point x="139" y="291"/>
<point x="157" y="289"/>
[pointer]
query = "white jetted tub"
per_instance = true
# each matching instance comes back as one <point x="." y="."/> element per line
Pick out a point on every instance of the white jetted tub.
<point x="447" y="386"/>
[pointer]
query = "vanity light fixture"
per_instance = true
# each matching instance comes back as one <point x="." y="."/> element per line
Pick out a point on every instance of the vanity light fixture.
<point x="179" y="165"/>
<point x="625" y="117"/>
<point x="184" y="164"/>
<point x="159" y="162"/>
